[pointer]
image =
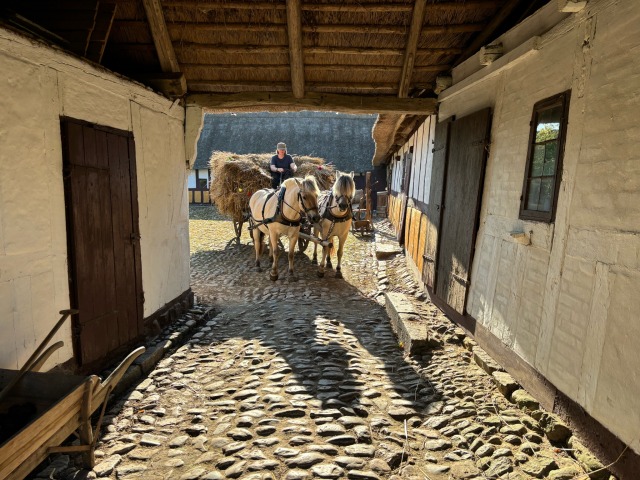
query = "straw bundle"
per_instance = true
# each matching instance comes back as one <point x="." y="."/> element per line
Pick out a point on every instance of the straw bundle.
<point x="236" y="177"/>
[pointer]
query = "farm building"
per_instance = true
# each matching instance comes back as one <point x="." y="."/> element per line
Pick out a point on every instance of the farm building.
<point x="343" y="140"/>
<point x="516" y="206"/>
<point x="508" y="129"/>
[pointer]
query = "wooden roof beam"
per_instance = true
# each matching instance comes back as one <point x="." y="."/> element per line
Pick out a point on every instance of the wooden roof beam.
<point x="333" y="7"/>
<point x="417" y="19"/>
<point x="315" y="101"/>
<point x="187" y="47"/>
<point x="294" y="29"/>
<point x="164" y="47"/>
<point x="322" y="28"/>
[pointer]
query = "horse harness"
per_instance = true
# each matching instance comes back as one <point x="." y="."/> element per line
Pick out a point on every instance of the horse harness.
<point x="330" y="216"/>
<point x="278" y="216"/>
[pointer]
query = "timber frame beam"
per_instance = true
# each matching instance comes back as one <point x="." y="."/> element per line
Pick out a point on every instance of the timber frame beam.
<point x="332" y="7"/>
<point x="417" y="20"/>
<point x="294" y="29"/>
<point x="164" y="47"/>
<point x="314" y="101"/>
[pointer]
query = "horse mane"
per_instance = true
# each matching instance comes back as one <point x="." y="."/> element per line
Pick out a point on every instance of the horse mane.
<point x="310" y="185"/>
<point x="343" y="184"/>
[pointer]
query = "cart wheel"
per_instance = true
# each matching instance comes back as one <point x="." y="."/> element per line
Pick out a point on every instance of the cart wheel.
<point x="303" y="243"/>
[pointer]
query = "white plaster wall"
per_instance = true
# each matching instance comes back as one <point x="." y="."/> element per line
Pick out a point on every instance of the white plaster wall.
<point x="568" y="303"/>
<point x="40" y="84"/>
<point x="191" y="182"/>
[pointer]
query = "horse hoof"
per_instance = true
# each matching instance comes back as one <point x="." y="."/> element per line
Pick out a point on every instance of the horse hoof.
<point x="329" y="265"/>
<point x="338" y="274"/>
<point x="258" y="269"/>
<point x="314" y="261"/>
<point x="292" y="278"/>
<point x="320" y="274"/>
<point x="273" y="277"/>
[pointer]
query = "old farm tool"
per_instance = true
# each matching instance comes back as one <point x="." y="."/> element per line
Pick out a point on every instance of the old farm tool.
<point x="40" y="410"/>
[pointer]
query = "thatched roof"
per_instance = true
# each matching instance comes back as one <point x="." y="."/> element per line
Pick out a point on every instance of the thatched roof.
<point x="376" y="57"/>
<point x="344" y="140"/>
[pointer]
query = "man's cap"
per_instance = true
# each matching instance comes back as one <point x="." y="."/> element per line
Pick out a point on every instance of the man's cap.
<point x="281" y="146"/>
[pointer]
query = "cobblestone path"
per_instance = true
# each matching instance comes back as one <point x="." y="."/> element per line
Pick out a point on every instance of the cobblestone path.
<point x="305" y="380"/>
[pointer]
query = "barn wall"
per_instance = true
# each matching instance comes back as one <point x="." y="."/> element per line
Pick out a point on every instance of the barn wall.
<point x="568" y="302"/>
<point x="40" y="84"/>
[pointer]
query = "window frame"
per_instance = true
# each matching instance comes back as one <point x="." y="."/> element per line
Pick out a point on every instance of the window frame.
<point x="563" y="100"/>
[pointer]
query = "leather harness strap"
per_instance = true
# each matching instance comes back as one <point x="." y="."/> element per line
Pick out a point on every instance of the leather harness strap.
<point x="278" y="216"/>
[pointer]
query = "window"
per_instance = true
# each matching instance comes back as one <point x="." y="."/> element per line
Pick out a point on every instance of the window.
<point x="544" y="158"/>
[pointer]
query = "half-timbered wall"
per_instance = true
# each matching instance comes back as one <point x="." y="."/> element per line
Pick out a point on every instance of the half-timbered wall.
<point x="39" y="85"/>
<point x="564" y="296"/>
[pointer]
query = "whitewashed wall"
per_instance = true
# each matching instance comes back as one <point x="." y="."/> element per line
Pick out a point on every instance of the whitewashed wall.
<point x="191" y="181"/>
<point x="568" y="303"/>
<point x="37" y="86"/>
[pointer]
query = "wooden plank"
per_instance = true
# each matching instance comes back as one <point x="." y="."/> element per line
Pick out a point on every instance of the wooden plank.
<point x="172" y="84"/>
<point x="334" y="7"/>
<point x="417" y="19"/>
<point x="436" y="198"/>
<point x="185" y="48"/>
<point x="160" y="34"/>
<point x="294" y="30"/>
<point x="463" y="191"/>
<point x="316" y="101"/>
<point x="325" y="28"/>
<point x="422" y="242"/>
<point x="17" y="455"/>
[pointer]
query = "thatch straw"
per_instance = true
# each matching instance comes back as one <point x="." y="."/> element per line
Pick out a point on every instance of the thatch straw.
<point x="234" y="178"/>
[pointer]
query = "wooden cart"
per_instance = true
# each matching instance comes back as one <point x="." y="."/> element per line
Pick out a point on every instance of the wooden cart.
<point x="60" y="404"/>
<point x="362" y="217"/>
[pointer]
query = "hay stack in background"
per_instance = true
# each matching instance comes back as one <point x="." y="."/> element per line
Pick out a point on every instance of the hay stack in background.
<point x="234" y="178"/>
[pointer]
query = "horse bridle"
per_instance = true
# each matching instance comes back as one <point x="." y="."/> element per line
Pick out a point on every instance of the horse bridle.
<point x="304" y="208"/>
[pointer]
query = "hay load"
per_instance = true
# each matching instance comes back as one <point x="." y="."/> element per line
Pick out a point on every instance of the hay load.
<point x="235" y="177"/>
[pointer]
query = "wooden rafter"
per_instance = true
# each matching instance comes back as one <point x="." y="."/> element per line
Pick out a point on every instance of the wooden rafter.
<point x="417" y="20"/>
<point x="160" y="34"/>
<point x="294" y="29"/>
<point x="315" y="101"/>
<point x="486" y="34"/>
<point x="332" y="7"/>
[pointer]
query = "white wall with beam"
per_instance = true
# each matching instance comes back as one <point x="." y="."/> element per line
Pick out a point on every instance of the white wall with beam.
<point x="40" y="84"/>
<point x="568" y="302"/>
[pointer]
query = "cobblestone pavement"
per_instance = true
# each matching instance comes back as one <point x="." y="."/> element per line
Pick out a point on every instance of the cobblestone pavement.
<point x="305" y="380"/>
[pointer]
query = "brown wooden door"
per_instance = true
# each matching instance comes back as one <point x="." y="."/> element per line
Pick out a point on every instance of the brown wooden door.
<point x="403" y="197"/>
<point x="102" y="228"/>
<point x="434" y="209"/>
<point x="469" y="138"/>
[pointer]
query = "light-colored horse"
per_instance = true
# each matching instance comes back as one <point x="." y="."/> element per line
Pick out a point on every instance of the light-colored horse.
<point x="276" y="215"/>
<point x="336" y="211"/>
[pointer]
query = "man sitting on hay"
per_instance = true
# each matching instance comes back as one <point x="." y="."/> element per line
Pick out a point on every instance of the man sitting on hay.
<point x="282" y="166"/>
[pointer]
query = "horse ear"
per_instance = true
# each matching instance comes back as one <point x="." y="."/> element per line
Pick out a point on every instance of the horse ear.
<point x="352" y="174"/>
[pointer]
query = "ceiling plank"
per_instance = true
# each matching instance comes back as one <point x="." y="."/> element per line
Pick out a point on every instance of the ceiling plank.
<point x="160" y="34"/>
<point x="294" y="28"/>
<point x="333" y="7"/>
<point x="496" y="21"/>
<point x="317" y="67"/>
<point x="315" y="101"/>
<point x="417" y="19"/>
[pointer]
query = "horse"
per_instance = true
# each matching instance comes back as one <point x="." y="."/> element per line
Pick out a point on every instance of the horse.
<point x="337" y="213"/>
<point x="279" y="212"/>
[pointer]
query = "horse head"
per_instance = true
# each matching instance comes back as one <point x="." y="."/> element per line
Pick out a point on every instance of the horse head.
<point x="308" y="197"/>
<point x="343" y="190"/>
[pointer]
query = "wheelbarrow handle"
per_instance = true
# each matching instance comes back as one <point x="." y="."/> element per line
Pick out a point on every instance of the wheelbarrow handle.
<point x="34" y="357"/>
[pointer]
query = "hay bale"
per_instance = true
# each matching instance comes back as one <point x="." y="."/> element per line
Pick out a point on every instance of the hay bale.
<point x="236" y="177"/>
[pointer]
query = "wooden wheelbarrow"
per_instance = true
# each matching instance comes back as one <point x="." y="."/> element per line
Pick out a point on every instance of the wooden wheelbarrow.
<point x="60" y="406"/>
